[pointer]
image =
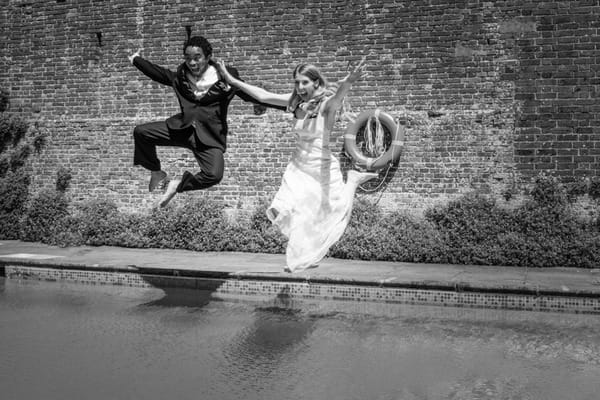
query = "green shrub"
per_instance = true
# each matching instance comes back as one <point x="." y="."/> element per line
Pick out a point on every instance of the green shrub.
<point x="14" y="183"/>
<point x="543" y="232"/>
<point x="133" y="234"/>
<point x="12" y="130"/>
<point x="196" y="224"/>
<point x="18" y="156"/>
<point x="364" y="234"/>
<point x="371" y="235"/>
<point x="95" y="223"/>
<point x="14" y="189"/>
<point x="470" y="226"/>
<point x="43" y="216"/>
<point x="39" y="141"/>
<point x="473" y="217"/>
<point x="365" y="213"/>
<point x="4" y="100"/>
<point x="547" y="191"/>
<point x="362" y="243"/>
<point x="552" y="237"/>
<point x="260" y="234"/>
<point x="594" y="189"/>
<point x="13" y="152"/>
<point x="4" y="164"/>
<point x="63" y="179"/>
<point x="414" y="240"/>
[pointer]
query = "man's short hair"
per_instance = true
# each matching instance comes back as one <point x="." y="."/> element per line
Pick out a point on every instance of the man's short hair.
<point x="199" y="41"/>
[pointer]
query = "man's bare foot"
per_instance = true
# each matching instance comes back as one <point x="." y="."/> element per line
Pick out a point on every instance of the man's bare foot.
<point x="169" y="193"/>
<point x="156" y="177"/>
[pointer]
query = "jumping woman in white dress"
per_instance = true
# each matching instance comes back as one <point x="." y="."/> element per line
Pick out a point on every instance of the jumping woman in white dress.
<point x="313" y="205"/>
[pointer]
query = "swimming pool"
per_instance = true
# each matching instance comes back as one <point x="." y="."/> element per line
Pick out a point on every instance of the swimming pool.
<point x="72" y="341"/>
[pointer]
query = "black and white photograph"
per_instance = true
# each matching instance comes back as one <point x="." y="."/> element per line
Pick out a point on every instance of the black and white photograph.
<point x="300" y="200"/>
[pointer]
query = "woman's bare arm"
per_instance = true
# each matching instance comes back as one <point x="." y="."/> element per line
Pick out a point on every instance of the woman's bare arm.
<point x="260" y="94"/>
<point x="335" y="102"/>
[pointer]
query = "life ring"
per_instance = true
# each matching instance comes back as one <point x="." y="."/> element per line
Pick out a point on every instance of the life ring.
<point x="391" y="155"/>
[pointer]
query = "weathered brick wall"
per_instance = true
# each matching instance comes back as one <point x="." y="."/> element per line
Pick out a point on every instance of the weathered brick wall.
<point x="491" y="93"/>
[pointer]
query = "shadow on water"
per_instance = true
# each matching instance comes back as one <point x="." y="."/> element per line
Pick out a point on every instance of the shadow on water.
<point x="277" y="336"/>
<point x="177" y="297"/>
<point x="189" y="297"/>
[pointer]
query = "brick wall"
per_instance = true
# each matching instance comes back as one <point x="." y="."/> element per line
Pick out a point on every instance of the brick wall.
<point x="490" y="93"/>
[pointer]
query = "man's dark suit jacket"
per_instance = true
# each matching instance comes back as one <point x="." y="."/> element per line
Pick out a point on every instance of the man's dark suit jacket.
<point x="208" y="115"/>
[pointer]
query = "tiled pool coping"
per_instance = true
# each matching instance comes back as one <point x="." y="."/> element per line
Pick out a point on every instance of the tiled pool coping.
<point x="249" y="285"/>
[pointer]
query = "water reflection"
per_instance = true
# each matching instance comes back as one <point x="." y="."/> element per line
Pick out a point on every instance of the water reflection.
<point x="270" y="345"/>
<point x="175" y="297"/>
<point x="185" y="297"/>
<point x="116" y="342"/>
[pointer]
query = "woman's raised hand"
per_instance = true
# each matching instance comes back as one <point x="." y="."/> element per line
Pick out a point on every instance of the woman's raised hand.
<point x="358" y="72"/>
<point x="220" y="66"/>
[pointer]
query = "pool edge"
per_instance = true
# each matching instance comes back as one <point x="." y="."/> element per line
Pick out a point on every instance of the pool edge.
<point x="248" y="284"/>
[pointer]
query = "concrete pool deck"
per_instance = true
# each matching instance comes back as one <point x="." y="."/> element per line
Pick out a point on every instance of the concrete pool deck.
<point x="569" y="282"/>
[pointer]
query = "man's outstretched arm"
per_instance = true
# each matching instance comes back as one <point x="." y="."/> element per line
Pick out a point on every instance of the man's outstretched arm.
<point x="152" y="71"/>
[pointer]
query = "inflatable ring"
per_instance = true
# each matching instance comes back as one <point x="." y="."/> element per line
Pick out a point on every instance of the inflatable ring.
<point x="391" y="155"/>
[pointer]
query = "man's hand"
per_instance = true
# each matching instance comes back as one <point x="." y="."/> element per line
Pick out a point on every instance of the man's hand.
<point x="134" y="55"/>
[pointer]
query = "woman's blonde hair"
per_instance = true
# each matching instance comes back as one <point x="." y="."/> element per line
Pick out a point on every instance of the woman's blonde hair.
<point x="313" y="73"/>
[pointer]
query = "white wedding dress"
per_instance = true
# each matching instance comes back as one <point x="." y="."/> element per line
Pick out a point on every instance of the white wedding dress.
<point x="313" y="205"/>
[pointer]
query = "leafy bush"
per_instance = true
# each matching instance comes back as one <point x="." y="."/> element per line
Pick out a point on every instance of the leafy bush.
<point x="63" y="179"/>
<point x="14" y="183"/>
<point x="553" y="237"/>
<point x="95" y="223"/>
<point x="594" y="190"/>
<point x="12" y="130"/>
<point x="260" y="235"/>
<point x="414" y="240"/>
<point x="43" y="216"/>
<point x="14" y="153"/>
<point x="18" y="156"/>
<point x="473" y="229"/>
<point x="548" y="192"/>
<point x="364" y="236"/>
<point x="194" y="225"/>
<point x="14" y="189"/>
<point x="543" y="232"/>
<point x="4" y="100"/>
<point x="371" y="235"/>
<point x="470" y="226"/>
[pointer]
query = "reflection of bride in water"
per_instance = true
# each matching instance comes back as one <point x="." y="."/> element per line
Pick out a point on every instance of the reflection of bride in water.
<point x="270" y="346"/>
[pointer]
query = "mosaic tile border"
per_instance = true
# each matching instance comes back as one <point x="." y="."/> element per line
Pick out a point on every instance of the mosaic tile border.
<point x="316" y="291"/>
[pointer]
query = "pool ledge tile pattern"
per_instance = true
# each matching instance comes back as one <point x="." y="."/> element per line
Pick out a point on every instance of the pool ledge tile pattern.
<point x="261" y="275"/>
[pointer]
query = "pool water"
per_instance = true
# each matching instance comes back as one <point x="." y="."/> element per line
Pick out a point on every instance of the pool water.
<point x="69" y="341"/>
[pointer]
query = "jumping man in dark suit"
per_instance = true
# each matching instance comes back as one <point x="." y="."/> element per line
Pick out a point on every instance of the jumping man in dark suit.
<point x="201" y="126"/>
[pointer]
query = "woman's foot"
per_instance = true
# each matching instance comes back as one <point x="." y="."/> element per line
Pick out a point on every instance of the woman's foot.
<point x="156" y="177"/>
<point x="169" y="193"/>
<point x="289" y="270"/>
<point x="360" y="177"/>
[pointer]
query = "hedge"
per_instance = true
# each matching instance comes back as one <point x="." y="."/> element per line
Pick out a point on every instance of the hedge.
<point x="474" y="229"/>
